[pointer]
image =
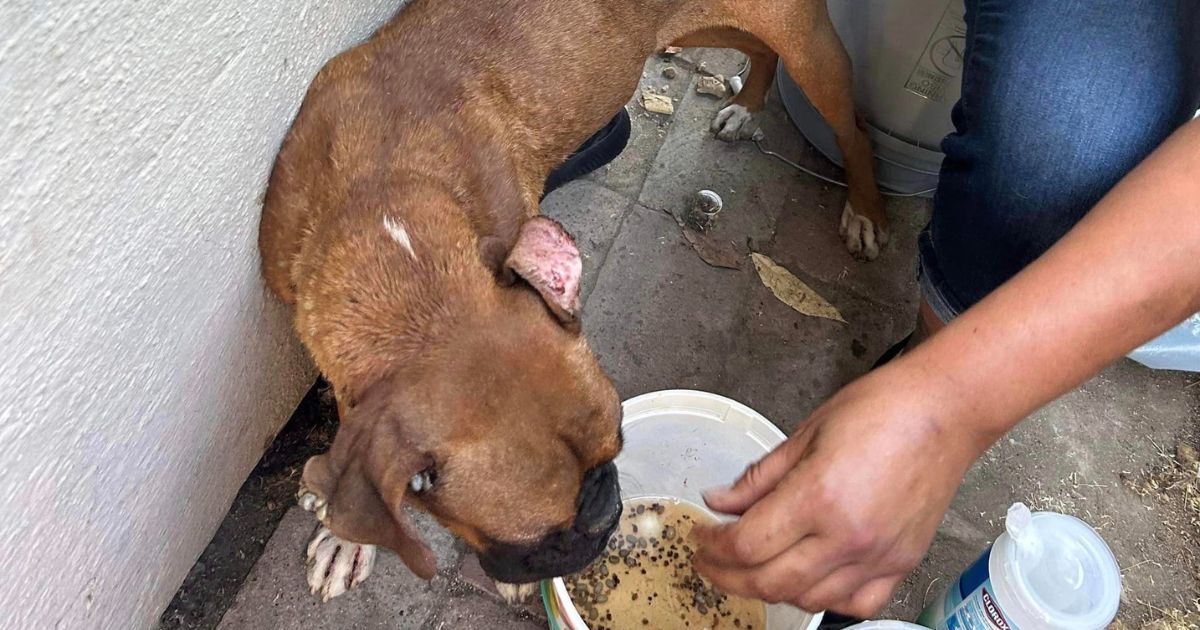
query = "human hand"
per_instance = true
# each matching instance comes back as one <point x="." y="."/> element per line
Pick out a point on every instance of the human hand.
<point x="839" y="514"/>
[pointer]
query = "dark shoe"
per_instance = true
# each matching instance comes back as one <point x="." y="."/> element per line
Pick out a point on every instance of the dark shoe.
<point x="896" y="350"/>
<point x="603" y="147"/>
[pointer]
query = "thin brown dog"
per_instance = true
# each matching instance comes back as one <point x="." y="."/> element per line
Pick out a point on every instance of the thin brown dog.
<point x="401" y="221"/>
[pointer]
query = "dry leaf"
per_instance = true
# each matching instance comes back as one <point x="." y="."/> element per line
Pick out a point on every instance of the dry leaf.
<point x="716" y="254"/>
<point x="657" y="103"/>
<point x="792" y="291"/>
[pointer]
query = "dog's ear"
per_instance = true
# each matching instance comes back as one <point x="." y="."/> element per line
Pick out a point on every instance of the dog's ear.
<point x="545" y="256"/>
<point x="363" y="481"/>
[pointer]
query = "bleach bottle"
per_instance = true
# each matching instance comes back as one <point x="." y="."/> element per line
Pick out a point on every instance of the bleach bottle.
<point x="1047" y="572"/>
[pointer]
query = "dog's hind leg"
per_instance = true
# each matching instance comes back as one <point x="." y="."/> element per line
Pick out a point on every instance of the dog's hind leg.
<point x="735" y="121"/>
<point x="803" y="36"/>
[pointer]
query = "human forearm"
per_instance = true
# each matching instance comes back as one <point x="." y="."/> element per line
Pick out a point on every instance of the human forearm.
<point x="1126" y="273"/>
<point x="821" y="530"/>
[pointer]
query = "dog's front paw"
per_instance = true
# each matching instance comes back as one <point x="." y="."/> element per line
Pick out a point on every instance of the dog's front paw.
<point x="863" y="237"/>
<point x="335" y="565"/>
<point x="734" y="123"/>
<point x="312" y="502"/>
<point x="516" y="593"/>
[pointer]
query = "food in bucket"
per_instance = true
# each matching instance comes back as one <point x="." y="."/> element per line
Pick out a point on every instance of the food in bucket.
<point x="645" y="578"/>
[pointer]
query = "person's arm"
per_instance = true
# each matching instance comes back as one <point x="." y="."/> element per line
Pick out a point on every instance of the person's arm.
<point x="1129" y="271"/>
<point x="840" y="513"/>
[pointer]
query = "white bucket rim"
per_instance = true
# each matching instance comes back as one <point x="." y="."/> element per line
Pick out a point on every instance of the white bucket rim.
<point x="633" y="410"/>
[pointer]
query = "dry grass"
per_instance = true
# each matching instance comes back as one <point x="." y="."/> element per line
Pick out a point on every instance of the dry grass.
<point x="1175" y="620"/>
<point x="1176" y="484"/>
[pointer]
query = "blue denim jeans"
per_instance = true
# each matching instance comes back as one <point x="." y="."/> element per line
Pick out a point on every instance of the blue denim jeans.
<point x="1059" y="101"/>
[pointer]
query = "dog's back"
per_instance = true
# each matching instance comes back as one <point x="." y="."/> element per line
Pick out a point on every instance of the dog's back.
<point x="472" y="93"/>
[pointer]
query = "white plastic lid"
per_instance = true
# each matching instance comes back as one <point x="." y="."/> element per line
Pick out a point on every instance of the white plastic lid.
<point x="1069" y="579"/>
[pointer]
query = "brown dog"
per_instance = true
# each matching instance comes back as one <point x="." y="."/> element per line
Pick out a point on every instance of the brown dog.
<point x="401" y="220"/>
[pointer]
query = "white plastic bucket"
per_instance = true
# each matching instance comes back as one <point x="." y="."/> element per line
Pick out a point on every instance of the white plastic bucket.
<point x="679" y="443"/>
<point x="907" y="59"/>
<point x="1176" y="349"/>
<point x="886" y="624"/>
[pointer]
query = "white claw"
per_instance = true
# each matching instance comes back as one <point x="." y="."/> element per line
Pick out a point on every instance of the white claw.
<point x="321" y="536"/>
<point x="308" y="501"/>
<point x="322" y="510"/>
<point x="516" y="593"/>
<point x="339" y="574"/>
<point x="335" y="565"/>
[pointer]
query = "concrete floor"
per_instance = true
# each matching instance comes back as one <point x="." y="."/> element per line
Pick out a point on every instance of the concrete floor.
<point x="659" y="317"/>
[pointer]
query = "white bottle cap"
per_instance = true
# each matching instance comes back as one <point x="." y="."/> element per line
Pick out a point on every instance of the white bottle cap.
<point x="1057" y="572"/>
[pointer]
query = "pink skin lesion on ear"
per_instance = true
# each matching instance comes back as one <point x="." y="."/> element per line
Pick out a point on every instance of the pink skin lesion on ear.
<point x="546" y="256"/>
<point x="565" y="273"/>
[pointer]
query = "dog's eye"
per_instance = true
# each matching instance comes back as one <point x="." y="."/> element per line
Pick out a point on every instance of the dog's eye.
<point x="423" y="481"/>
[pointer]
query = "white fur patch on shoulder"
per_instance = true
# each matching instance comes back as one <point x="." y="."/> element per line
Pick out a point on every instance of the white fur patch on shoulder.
<point x="396" y="230"/>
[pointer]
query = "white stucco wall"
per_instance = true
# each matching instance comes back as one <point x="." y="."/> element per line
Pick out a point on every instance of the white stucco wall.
<point x="143" y="368"/>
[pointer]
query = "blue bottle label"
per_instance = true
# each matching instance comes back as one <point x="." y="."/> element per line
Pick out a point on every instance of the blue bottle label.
<point x="970" y="603"/>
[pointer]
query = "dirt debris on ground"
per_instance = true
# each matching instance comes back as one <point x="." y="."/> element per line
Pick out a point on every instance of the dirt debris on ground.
<point x="712" y="86"/>
<point x="1173" y="487"/>
<point x="1175" y="484"/>
<point x="715" y="252"/>
<point x="657" y="103"/>
<point x="269" y="491"/>
<point x="1169" y="620"/>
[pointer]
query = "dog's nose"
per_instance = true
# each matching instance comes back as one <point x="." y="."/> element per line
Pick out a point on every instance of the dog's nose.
<point x="599" y="507"/>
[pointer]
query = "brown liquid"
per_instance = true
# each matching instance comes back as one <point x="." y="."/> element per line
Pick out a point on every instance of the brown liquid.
<point x="646" y="579"/>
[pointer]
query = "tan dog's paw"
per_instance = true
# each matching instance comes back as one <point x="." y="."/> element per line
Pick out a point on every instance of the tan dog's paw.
<point x="863" y="237"/>
<point x="734" y="123"/>
<point x="516" y="593"/>
<point x="335" y="565"/>
<point x="312" y="502"/>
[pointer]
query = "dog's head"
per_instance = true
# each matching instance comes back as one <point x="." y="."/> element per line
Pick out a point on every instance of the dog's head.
<point x="505" y="432"/>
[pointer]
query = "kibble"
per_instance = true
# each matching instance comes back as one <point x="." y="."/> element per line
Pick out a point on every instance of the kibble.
<point x="662" y="559"/>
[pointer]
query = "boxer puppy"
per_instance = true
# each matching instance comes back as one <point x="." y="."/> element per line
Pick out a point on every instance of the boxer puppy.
<point x="401" y="221"/>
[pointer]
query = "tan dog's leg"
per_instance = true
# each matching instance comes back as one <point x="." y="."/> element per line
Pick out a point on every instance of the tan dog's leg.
<point x="735" y="121"/>
<point x="816" y="60"/>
